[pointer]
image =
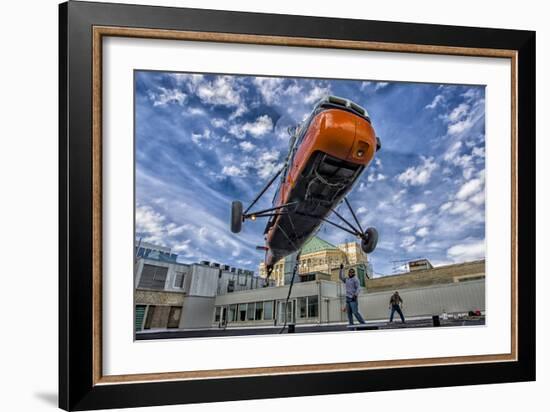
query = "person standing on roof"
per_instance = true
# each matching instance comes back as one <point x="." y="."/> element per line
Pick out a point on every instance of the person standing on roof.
<point x="396" y="303"/>
<point x="353" y="287"/>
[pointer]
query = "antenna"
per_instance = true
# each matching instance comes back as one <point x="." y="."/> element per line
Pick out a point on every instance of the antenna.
<point x="402" y="265"/>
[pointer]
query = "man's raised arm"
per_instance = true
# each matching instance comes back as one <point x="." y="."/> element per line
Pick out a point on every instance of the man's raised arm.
<point x="341" y="273"/>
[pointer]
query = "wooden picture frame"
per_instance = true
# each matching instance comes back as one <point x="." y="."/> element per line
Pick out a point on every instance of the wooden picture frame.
<point x="82" y="385"/>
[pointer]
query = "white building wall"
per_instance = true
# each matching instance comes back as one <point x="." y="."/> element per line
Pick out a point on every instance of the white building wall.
<point x="197" y="312"/>
<point x="204" y="281"/>
<point x="427" y="301"/>
<point x="270" y="293"/>
<point x="175" y="268"/>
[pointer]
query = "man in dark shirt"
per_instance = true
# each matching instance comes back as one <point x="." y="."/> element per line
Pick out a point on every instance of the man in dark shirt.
<point x="396" y="304"/>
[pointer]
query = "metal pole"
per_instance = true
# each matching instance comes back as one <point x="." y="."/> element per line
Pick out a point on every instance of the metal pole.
<point x="263" y="190"/>
<point x="338" y="226"/>
<point x="353" y="214"/>
<point x="347" y="223"/>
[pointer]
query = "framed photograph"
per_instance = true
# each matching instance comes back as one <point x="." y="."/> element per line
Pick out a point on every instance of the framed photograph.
<point x="256" y="206"/>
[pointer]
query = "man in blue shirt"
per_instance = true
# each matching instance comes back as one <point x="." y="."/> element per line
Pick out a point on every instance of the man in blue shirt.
<point x="353" y="287"/>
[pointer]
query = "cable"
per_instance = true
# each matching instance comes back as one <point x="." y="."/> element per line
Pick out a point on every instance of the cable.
<point x="290" y="290"/>
<point x="291" y="280"/>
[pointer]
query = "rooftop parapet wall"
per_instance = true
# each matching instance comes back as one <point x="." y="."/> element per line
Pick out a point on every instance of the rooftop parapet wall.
<point x="436" y="276"/>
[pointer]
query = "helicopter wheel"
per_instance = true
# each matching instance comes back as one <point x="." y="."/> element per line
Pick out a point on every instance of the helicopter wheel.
<point x="236" y="216"/>
<point x="369" y="242"/>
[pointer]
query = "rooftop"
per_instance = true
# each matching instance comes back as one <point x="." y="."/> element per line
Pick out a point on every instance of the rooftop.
<point x="316" y="244"/>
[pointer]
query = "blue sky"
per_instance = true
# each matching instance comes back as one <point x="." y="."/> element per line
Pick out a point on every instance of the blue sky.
<point x="205" y="140"/>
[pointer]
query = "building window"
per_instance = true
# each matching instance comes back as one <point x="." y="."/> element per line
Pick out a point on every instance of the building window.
<point x="178" y="280"/>
<point x="149" y="318"/>
<point x="242" y="312"/>
<point x="232" y="313"/>
<point x="217" y="313"/>
<point x="286" y="311"/>
<point x="153" y="277"/>
<point x="259" y="310"/>
<point x="230" y="286"/>
<point x="268" y="310"/>
<point x="307" y="307"/>
<point x="242" y="280"/>
<point x="250" y="312"/>
<point x="302" y="307"/>
<point x="174" y="317"/>
<point x="308" y="277"/>
<point x="140" y="315"/>
<point x="312" y="306"/>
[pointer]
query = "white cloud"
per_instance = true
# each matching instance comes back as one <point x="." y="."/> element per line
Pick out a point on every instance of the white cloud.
<point x="218" y="123"/>
<point x="460" y="207"/>
<point x="418" y="207"/>
<point x="203" y="232"/>
<point x="396" y="197"/>
<point x="361" y="210"/>
<point x="181" y="247"/>
<point x="459" y="112"/>
<point x="425" y="220"/>
<point x="375" y="177"/>
<point x="272" y="89"/>
<point x="383" y="204"/>
<point x="380" y="85"/>
<point x="365" y="85"/>
<point x="468" y="200"/>
<point x="470" y="94"/>
<point x="239" y="111"/>
<point x="478" y="199"/>
<point x="408" y="243"/>
<point x="148" y="220"/>
<point x="222" y="91"/>
<point x="422" y="232"/>
<point x="173" y="230"/>
<point x="465" y="161"/>
<point x="460" y="127"/>
<point x="166" y="96"/>
<point x="316" y="94"/>
<point x="247" y="146"/>
<point x="446" y="206"/>
<point x="451" y="154"/>
<point x="435" y="102"/>
<point x="259" y="127"/>
<point x="195" y="111"/>
<point x="419" y="175"/>
<point x="233" y="171"/>
<point x="186" y="78"/>
<point x="478" y="152"/>
<point x="468" y="251"/>
<point x="197" y="138"/>
<point x="469" y="188"/>
<point x="464" y="116"/>
<point x="267" y="164"/>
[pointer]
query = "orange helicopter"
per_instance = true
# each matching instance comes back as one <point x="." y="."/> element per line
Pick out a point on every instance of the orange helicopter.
<point x="327" y="154"/>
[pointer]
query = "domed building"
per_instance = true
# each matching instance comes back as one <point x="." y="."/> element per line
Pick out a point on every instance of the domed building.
<point x="320" y="259"/>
